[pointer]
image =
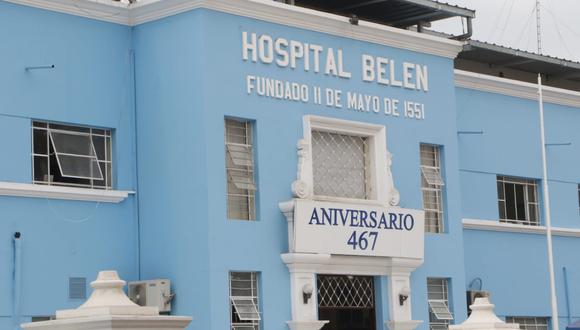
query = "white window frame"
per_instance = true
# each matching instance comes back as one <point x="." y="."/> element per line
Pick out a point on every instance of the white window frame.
<point x="378" y="184"/>
<point x="107" y="135"/>
<point x="251" y="301"/>
<point x="433" y="176"/>
<point x="439" y="308"/>
<point x="526" y="183"/>
<point x="247" y="184"/>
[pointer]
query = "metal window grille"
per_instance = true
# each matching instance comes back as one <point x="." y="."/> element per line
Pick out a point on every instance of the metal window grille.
<point x="529" y="323"/>
<point x="518" y="200"/>
<point x="438" y="300"/>
<point x="579" y="198"/>
<point x="241" y="188"/>
<point x="432" y="188"/>
<point x="244" y="301"/>
<point x="337" y="291"/>
<point x="74" y="156"/>
<point x="340" y="165"/>
<point x="77" y="288"/>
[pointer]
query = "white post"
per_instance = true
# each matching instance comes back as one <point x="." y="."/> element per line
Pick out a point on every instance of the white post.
<point x="553" y="298"/>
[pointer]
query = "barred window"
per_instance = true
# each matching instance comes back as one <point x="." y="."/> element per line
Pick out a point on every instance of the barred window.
<point x="529" y="323"/>
<point x="518" y="200"/>
<point x="73" y="156"/>
<point x="340" y="165"/>
<point x="244" y="301"/>
<point x="241" y="188"/>
<point x="432" y="187"/>
<point x="438" y="300"/>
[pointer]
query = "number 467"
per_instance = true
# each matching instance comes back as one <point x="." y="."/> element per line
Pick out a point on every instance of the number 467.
<point x="362" y="240"/>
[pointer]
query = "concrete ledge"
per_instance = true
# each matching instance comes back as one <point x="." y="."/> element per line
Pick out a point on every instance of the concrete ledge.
<point x="56" y="192"/>
<point x="495" y="225"/>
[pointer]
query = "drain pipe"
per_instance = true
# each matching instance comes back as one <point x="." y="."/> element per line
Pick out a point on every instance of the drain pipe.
<point x="467" y="34"/>
<point x="17" y="276"/>
<point x="567" y="293"/>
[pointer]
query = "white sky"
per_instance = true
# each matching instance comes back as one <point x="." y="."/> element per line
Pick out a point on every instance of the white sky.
<point x="512" y="23"/>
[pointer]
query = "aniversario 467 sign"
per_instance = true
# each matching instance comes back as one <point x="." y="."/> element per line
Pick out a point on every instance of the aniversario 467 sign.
<point x="349" y="229"/>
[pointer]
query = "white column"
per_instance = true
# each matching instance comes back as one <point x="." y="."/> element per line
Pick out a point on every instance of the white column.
<point x="399" y="285"/>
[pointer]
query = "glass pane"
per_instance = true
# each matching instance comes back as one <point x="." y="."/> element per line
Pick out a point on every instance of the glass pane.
<point x="500" y="193"/>
<point x="72" y="144"/>
<point x="41" y="168"/>
<point x="241" y="155"/>
<point x="532" y="193"/>
<point x="101" y="183"/>
<point x="79" y="167"/>
<point x="39" y="124"/>
<point x="109" y="149"/>
<point x="501" y="210"/>
<point x="99" y="143"/>
<point x="69" y="128"/>
<point x="40" y="141"/>
<point x="510" y="201"/>
<point x="520" y="202"/>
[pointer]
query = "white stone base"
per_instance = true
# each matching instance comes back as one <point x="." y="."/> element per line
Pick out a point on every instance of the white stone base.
<point x="110" y="322"/>
<point x="306" y="325"/>
<point x="402" y="325"/>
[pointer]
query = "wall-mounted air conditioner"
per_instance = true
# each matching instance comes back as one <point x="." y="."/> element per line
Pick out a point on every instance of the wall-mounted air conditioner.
<point x="153" y="293"/>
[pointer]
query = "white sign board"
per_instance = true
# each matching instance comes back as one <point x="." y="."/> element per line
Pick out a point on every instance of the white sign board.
<point x="349" y="229"/>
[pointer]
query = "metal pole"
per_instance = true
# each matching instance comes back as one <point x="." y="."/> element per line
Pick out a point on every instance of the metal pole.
<point x="554" y="302"/>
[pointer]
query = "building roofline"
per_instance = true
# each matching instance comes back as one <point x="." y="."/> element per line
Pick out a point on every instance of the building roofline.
<point x="471" y="44"/>
<point x="266" y="10"/>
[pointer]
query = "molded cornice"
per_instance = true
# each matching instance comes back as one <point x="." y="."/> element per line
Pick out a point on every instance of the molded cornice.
<point x="267" y="10"/>
<point x="515" y="88"/>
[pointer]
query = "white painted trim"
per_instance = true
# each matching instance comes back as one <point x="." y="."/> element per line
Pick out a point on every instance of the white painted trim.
<point x="495" y="225"/>
<point x="57" y="192"/>
<point x="525" y="90"/>
<point x="267" y="10"/>
<point x="352" y="265"/>
<point x="382" y="185"/>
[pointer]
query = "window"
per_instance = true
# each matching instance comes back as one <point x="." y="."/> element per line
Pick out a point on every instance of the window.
<point x="529" y="323"/>
<point x="432" y="187"/>
<point x="71" y="156"/>
<point x="518" y="200"/>
<point x="340" y="165"/>
<point x="579" y="198"/>
<point x="438" y="299"/>
<point x="241" y="188"/>
<point x="244" y="301"/>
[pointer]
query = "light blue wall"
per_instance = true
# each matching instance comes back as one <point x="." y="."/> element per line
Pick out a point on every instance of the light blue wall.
<point x="190" y="76"/>
<point x="90" y="85"/>
<point x="514" y="267"/>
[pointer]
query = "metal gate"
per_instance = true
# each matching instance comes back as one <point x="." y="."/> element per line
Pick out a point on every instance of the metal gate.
<point x="348" y="302"/>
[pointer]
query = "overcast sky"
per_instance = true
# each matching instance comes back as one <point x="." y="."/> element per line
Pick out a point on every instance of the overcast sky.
<point x="512" y="23"/>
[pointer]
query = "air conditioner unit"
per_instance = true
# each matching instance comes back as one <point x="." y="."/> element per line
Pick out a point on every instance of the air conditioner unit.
<point x="472" y="294"/>
<point x="153" y="293"/>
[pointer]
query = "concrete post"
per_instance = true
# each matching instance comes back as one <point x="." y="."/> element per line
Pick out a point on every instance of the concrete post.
<point x="483" y="318"/>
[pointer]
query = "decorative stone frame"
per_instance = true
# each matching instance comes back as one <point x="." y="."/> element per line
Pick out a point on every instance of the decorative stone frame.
<point x="382" y="189"/>
<point x="304" y="267"/>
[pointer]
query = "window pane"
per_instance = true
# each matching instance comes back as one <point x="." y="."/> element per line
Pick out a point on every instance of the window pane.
<point x="339" y="165"/>
<point x="72" y="144"/>
<point x="79" y="167"/>
<point x="40" y="141"/>
<point x="41" y="168"/>
<point x="510" y="200"/>
<point x="520" y="203"/>
<point x="99" y="143"/>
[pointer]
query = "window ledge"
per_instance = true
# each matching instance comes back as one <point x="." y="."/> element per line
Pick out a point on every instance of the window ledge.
<point x="57" y="192"/>
<point x="495" y="225"/>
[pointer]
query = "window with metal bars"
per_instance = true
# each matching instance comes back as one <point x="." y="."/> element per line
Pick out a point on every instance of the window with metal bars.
<point x="241" y="189"/>
<point x="244" y="301"/>
<point x="432" y="187"/>
<point x="340" y="165"/>
<point x="529" y="323"/>
<point x="73" y="156"/>
<point x="440" y="314"/>
<point x="518" y="200"/>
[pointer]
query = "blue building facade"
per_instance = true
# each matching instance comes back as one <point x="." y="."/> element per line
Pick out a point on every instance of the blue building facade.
<point x="176" y="84"/>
